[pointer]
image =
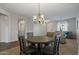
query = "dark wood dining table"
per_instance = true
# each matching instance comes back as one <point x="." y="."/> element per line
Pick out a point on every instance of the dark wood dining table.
<point x="39" y="40"/>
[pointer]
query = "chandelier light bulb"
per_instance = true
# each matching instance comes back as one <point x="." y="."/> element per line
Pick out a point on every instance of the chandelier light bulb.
<point x="34" y="17"/>
<point x="42" y="16"/>
<point x="22" y="22"/>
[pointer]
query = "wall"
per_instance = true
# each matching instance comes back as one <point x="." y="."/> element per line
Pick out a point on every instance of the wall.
<point x="52" y="26"/>
<point x="13" y="28"/>
<point x="3" y="11"/>
<point x="72" y="25"/>
<point x="9" y="26"/>
<point x="78" y="28"/>
<point x="4" y="35"/>
<point x="39" y="29"/>
<point x="4" y="28"/>
<point x="29" y="25"/>
<point x="77" y="31"/>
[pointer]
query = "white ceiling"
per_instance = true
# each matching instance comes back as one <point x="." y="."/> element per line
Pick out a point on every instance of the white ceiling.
<point x="50" y="10"/>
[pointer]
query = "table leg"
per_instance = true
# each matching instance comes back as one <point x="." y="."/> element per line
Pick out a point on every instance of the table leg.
<point x="39" y="48"/>
<point x="33" y="45"/>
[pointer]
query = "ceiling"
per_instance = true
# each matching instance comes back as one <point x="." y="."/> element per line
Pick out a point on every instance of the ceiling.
<point x="50" y="10"/>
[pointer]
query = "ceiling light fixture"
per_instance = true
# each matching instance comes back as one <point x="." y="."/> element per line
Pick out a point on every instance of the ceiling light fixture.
<point x="39" y="18"/>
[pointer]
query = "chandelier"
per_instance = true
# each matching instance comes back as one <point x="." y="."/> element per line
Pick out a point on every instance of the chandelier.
<point x="39" y="18"/>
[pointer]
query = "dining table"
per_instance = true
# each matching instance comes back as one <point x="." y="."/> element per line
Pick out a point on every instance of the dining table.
<point x="39" y="40"/>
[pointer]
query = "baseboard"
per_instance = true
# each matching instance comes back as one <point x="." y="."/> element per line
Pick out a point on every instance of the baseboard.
<point x="4" y="45"/>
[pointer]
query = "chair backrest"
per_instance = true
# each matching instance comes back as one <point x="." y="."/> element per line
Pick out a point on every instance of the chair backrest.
<point x="50" y="34"/>
<point x="29" y="34"/>
<point x="22" y="43"/>
<point x="56" y="45"/>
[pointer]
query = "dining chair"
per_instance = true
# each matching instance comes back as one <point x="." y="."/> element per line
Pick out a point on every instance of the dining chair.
<point x="30" y="34"/>
<point x="50" y="35"/>
<point x="26" y="50"/>
<point x="52" y="50"/>
<point x="48" y="43"/>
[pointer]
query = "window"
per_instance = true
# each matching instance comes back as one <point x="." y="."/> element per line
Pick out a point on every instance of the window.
<point x="62" y="26"/>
